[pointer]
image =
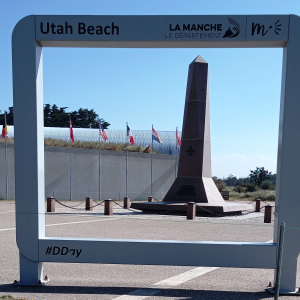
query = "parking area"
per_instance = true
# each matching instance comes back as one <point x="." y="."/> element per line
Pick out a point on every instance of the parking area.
<point x="98" y="281"/>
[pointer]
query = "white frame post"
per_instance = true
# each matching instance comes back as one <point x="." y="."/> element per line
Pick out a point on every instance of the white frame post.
<point x="29" y="148"/>
<point x="287" y="190"/>
<point x="34" y="32"/>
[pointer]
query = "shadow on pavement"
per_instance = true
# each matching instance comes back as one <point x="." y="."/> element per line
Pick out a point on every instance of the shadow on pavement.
<point x="117" y="291"/>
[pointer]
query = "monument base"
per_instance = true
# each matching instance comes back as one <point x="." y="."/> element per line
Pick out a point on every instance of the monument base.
<point x="201" y="208"/>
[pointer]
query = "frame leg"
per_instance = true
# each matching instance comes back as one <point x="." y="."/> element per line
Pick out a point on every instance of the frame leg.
<point x="31" y="272"/>
<point x="288" y="279"/>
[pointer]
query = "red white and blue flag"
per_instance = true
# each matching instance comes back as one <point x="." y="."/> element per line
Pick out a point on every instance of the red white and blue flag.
<point x="178" y="140"/>
<point x="102" y="132"/>
<point x="155" y="136"/>
<point x="129" y="134"/>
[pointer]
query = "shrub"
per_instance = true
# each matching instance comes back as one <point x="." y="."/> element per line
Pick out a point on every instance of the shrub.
<point x="239" y="189"/>
<point x="248" y="195"/>
<point x="267" y="185"/>
<point x="265" y="195"/>
<point x="220" y="184"/>
<point x="250" y="187"/>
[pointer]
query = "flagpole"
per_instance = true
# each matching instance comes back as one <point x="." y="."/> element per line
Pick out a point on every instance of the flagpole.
<point x="176" y="151"/>
<point x="126" y="156"/>
<point x="99" y="163"/>
<point x="6" y="179"/>
<point x="151" y="158"/>
<point x="70" y="167"/>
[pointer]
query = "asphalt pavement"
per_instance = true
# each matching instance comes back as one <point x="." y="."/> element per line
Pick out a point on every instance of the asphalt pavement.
<point x="136" y="282"/>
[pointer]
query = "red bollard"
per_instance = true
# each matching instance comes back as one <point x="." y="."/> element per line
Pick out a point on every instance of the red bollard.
<point x="108" y="207"/>
<point x="50" y="204"/>
<point x="257" y="205"/>
<point x="268" y="214"/>
<point x="126" y="202"/>
<point x="88" y="203"/>
<point x="191" y="211"/>
<point x="150" y="199"/>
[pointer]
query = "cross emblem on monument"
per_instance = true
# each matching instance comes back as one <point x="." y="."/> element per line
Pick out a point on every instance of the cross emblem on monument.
<point x="190" y="150"/>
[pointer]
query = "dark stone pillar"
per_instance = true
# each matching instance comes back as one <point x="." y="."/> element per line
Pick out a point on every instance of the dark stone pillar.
<point x="150" y="199"/>
<point x="268" y="214"/>
<point x="126" y="202"/>
<point x="108" y="207"/>
<point x="257" y="205"/>
<point x="50" y="204"/>
<point x="191" y="211"/>
<point x="88" y="203"/>
<point x="194" y="182"/>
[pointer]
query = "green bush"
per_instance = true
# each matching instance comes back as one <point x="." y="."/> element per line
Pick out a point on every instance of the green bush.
<point x="265" y="195"/>
<point x="248" y="195"/>
<point x="250" y="188"/>
<point x="220" y="184"/>
<point x="267" y="185"/>
<point x="239" y="189"/>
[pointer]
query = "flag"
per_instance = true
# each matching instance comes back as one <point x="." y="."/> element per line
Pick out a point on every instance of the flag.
<point x="102" y="132"/>
<point x="4" y="131"/>
<point x="129" y="134"/>
<point x="71" y="132"/>
<point x="178" y="139"/>
<point x="155" y="136"/>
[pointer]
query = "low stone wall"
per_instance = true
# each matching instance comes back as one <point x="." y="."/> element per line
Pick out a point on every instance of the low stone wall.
<point x="85" y="173"/>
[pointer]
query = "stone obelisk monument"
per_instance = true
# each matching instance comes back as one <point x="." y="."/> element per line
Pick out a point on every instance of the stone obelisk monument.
<point x="194" y="181"/>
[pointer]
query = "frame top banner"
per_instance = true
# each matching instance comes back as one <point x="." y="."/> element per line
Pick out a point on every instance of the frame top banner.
<point x="235" y="28"/>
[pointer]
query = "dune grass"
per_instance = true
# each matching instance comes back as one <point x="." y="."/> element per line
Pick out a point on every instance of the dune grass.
<point x="91" y="145"/>
<point x="264" y="195"/>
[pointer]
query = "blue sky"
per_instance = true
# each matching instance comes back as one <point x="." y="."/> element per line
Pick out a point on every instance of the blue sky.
<point x="147" y="86"/>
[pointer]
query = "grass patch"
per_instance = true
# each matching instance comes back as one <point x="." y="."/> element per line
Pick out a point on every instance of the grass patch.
<point x="95" y="145"/>
<point x="264" y="195"/>
<point x="9" y="141"/>
<point x="91" y="145"/>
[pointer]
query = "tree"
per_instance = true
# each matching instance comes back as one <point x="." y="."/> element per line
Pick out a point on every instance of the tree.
<point x="58" y="117"/>
<point x="231" y="180"/>
<point x="258" y="176"/>
<point x="220" y="184"/>
<point x="9" y="116"/>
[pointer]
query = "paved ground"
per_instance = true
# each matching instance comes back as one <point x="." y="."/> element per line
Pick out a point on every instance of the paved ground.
<point x="130" y="282"/>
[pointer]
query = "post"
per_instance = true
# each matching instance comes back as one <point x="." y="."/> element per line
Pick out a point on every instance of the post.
<point x="70" y="171"/>
<point x="126" y="159"/>
<point x="108" y="207"/>
<point x="126" y="202"/>
<point x="191" y="211"/>
<point x="29" y="149"/>
<point x="175" y="162"/>
<point x="6" y="178"/>
<point x="50" y="204"/>
<point x="257" y="205"/>
<point x="99" y="163"/>
<point x="150" y="199"/>
<point x="268" y="214"/>
<point x="88" y="203"/>
<point x="279" y="260"/>
<point x="151" y="159"/>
